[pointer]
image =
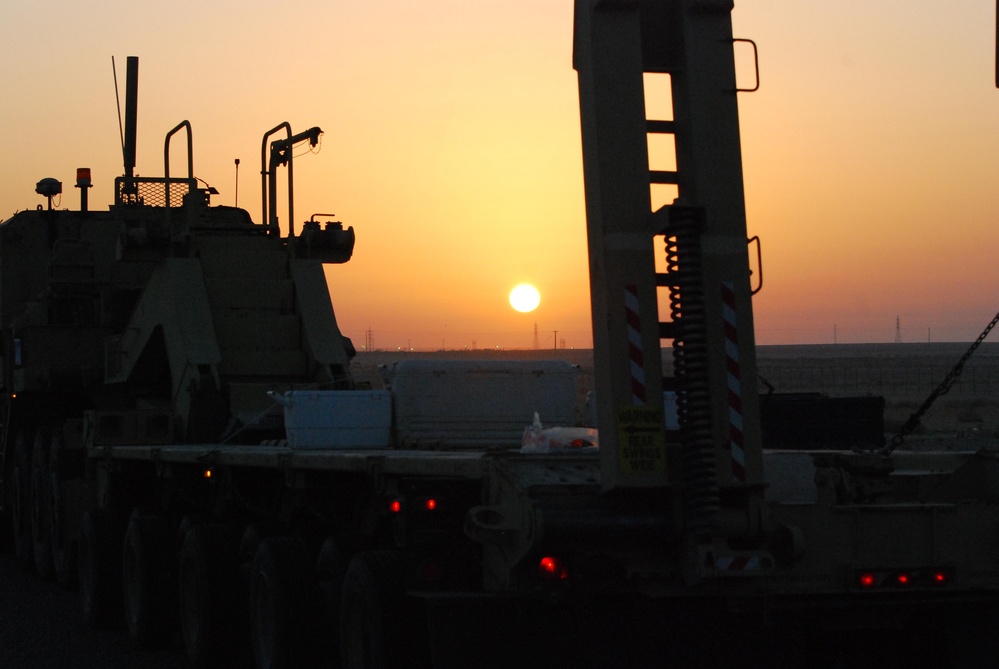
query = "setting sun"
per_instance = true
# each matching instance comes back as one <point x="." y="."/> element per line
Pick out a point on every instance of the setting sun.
<point x="525" y="298"/>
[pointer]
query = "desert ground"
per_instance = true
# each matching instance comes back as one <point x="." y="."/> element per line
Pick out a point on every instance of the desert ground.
<point x="904" y="374"/>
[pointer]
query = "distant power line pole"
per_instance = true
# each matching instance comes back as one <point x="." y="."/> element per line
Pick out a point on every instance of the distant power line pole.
<point x="898" y="330"/>
<point x="369" y="339"/>
<point x="555" y="340"/>
<point x="535" y="335"/>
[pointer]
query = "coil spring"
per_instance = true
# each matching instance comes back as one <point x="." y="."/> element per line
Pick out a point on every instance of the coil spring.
<point x="690" y="364"/>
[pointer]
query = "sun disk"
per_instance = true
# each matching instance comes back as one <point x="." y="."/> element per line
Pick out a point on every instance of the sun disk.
<point x="525" y="298"/>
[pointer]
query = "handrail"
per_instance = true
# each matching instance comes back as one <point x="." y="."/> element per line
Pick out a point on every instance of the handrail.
<point x="756" y="65"/>
<point x="166" y="157"/>
<point x="270" y="189"/>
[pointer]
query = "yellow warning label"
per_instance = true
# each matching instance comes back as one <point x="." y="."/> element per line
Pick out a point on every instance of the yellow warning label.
<point x="641" y="440"/>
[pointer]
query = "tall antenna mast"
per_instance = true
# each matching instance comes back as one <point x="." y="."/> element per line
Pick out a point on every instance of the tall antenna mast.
<point x="117" y="100"/>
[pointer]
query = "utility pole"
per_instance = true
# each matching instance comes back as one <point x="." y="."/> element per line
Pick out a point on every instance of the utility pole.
<point x="898" y="330"/>
<point x="555" y="340"/>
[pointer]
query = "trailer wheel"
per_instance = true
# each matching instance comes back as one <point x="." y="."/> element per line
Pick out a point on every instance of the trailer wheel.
<point x="147" y="567"/>
<point x="331" y="566"/>
<point x="376" y="630"/>
<point x="99" y="567"/>
<point x="63" y="549"/>
<point x="283" y="604"/>
<point x="21" y="496"/>
<point x="41" y="511"/>
<point x="212" y="598"/>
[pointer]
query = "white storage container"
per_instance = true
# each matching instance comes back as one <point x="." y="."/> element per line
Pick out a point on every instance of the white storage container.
<point x="478" y="403"/>
<point x="318" y="419"/>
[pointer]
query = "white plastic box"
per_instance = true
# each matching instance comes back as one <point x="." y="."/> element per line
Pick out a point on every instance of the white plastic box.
<point x="319" y="419"/>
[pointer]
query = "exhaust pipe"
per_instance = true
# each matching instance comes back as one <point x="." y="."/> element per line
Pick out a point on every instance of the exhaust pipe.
<point x="131" y="113"/>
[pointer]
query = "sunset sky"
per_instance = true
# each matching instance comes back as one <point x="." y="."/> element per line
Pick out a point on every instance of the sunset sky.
<point x="451" y="144"/>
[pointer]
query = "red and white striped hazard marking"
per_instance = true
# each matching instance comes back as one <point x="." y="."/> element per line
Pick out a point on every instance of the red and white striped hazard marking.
<point x="736" y="441"/>
<point x="738" y="563"/>
<point x="635" y="344"/>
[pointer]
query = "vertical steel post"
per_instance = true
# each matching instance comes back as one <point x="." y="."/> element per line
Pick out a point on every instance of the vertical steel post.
<point x="607" y="54"/>
<point x="616" y="43"/>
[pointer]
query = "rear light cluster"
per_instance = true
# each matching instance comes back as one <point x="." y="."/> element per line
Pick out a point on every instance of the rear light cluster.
<point x="902" y="579"/>
<point x="426" y="504"/>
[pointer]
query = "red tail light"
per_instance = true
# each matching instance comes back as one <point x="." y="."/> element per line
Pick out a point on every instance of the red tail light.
<point x="552" y="569"/>
<point x="920" y="577"/>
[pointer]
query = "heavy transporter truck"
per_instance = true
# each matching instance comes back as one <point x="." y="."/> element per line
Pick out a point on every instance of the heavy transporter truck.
<point x="183" y="438"/>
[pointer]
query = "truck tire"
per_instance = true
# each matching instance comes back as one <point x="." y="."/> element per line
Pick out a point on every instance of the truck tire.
<point x="331" y="567"/>
<point x="21" y="510"/>
<point x="213" y="619"/>
<point x="283" y="604"/>
<point x="41" y="511"/>
<point x="376" y="627"/>
<point x="148" y="592"/>
<point x="99" y="567"/>
<point x="63" y="548"/>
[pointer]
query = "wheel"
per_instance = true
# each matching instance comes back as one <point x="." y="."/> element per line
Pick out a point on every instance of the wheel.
<point x="283" y="604"/>
<point x="378" y="627"/>
<point x="41" y="507"/>
<point x="21" y="495"/>
<point x="99" y="567"/>
<point x="213" y="619"/>
<point x="63" y="547"/>
<point x="331" y="566"/>
<point x="148" y="592"/>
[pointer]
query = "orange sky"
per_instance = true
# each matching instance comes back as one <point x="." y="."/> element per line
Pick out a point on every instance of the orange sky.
<point x="452" y="146"/>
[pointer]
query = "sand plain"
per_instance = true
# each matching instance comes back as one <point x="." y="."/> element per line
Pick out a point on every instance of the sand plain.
<point x="904" y="374"/>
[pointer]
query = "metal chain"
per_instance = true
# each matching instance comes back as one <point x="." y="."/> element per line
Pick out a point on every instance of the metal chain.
<point x="913" y="422"/>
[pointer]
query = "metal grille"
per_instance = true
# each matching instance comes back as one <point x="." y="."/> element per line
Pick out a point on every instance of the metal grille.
<point x="152" y="191"/>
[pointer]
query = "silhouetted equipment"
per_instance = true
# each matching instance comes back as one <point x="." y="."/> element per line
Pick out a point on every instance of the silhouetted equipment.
<point x="84" y="183"/>
<point x="49" y="188"/>
<point x="182" y="431"/>
<point x="832" y="519"/>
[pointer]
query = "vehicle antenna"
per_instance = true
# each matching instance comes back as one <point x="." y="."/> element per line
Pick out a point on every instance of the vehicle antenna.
<point x="121" y="131"/>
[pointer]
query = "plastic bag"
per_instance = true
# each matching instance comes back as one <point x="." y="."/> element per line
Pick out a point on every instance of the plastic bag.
<point x="539" y="439"/>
